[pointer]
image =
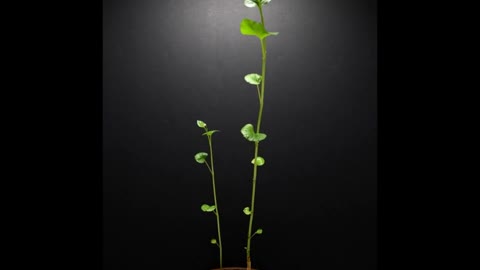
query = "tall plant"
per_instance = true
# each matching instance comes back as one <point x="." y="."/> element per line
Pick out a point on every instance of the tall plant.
<point x="252" y="28"/>
<point x="201" y="157"/>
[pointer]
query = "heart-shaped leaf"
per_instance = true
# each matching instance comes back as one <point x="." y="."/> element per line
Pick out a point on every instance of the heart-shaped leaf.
<point x="201" y="124"/>
<point x="247" y="211"/>
<point x="252" y="28"/>
<point x="253" y="78"/>
<point x="260" y="161"/>
<point x="208" y="208"/>
<point x="200" y="157"/>
<point x="249" y="133"/>
<point x="210" y="132"/>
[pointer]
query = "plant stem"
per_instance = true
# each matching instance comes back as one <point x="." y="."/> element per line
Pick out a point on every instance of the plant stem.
<point x="206" y="163"/>
<point x="259" y="121"/>
<point x="212" y="171"/>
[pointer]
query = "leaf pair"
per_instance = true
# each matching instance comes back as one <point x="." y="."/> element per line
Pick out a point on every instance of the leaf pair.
<point x="249" y="133"/>
<point x="202" y="124"/>
<point x="208" y="208"/>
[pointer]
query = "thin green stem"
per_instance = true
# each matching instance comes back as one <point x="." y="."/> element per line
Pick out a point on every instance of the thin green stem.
<point x="208" y="167"/>
<point x="261" y="14"/>
<point x="259" y="121"/>
<point x="212" y="171"/>
<point x="258" y="91"/>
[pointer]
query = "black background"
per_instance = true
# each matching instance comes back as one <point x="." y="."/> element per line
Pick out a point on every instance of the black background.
<point x="52" y="144"/>
<point x="167" y="64"/>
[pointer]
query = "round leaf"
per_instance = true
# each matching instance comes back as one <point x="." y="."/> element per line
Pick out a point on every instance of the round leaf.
<point x="200" y="157"/>
<point x="248" y="132"/>
<point x="260" y="161"/>
<point x="247" y="211"/>
<point x="201" y="124"/>
<point x="213" y="241"/>
<point x="253" y="78"/>
<point x="259" y="231"/>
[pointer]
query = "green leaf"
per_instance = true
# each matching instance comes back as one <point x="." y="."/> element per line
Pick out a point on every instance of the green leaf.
<point x="259" y="231"/>
<point x="260" y="161"/>
<point x="213" y="241"/>
<point x="247" y="211"/>
<point x="260" y="137"/>
<point x="209" y="133"/>
<point x="249" y="134"/>
<point x="201" y="124"/>
<point x="208" y="208"/>
<point x="200" y="157"/>
<point x="253" y="78"/>
<point x="253" y="28"/>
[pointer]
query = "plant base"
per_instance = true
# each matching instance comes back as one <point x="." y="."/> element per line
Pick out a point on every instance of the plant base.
<point x="233" y="268"/>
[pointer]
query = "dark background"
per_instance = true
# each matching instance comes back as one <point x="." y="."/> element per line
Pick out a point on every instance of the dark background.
<point x="168" y="63"/>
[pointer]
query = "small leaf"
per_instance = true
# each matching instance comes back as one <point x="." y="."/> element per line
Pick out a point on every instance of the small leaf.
<point x="253" y="78"/>
<point x="208" y="208"/>
<point x="213" y="241"/>
<point x="200" y="157"/>
<point x="248" y="132"/>
<point x="209" y="133"/>
<point x="201" y="124"/>
<point x="247" y="211"/>
<point x="260" y="161"/>
<point x="252" y="28"/>
<point x="259" y="231"/>
<point x="250" y="3"/>
<point x="260" y="137"/>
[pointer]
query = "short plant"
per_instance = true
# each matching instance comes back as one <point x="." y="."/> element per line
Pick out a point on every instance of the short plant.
<point x="252" y="28"/>
<point x="201" y="157"/>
